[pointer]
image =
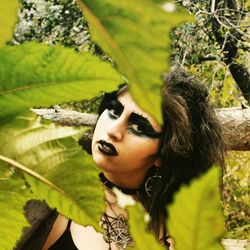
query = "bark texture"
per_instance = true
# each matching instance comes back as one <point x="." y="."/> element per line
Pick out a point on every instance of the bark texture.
<point x="67" y="117"/>
<point x="235" y="123"/>
<point x="236" y="127"/>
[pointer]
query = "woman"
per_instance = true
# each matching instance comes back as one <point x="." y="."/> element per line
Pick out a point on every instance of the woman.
<point x="145" y="160"/>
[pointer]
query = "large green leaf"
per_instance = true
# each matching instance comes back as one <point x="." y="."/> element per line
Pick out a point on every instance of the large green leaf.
<point x="138" y="223"/>
<point x="12" y="200"/>
<point x="58" y="170"/>
<point x="8" y="18"/>
<point x="138" y="228"/>
<point x="34" y="74"/>
<point x="195" y="217"/>
<point x="135" y="35"/>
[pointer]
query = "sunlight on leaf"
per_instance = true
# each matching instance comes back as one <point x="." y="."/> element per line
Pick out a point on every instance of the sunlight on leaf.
<point x="138" y="228"/>
<point x="12" y="199"/>
<point x="58" y="171"/>
<point x="8" y="18"/>
<point x="35" y="74"/>
<point x="136" y="37"/>
<point x="195" y="218"/>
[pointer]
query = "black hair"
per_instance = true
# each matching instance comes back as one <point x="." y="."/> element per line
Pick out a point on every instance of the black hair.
<point x="191" y="143"/>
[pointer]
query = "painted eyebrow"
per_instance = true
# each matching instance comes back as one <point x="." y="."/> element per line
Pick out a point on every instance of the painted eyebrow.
<point x="120" y="106"/>
<point x="135" y="117"/>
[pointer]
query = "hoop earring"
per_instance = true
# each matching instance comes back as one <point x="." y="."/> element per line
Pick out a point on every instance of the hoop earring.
<point x="151" y="181"/>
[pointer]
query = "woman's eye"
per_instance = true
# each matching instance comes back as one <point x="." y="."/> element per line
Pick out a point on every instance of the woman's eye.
<point x="113" y="113"/>
<point x="136" y="129"/>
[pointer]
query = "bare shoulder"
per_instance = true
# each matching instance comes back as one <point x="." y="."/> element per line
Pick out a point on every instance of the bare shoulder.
<point x="86" y="237"/>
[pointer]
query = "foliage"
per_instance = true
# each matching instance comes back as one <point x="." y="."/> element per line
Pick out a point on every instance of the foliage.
<point x="137" y="225"/>
<point x="8" y="17"/>
<point x="201" y="48"/>
<point x="57" y="22"/>
<point x="218" y="38"/>
<point x="195" y="46"/>
<point x="58" y="172"/>
<point x="223" y="91"/>
<point x="200" y="216"/>
<point x="149" y="48"/>
<point x="32" y="73"/>
<point x="134" y="54"/>
<point x="40" y="160"/>
<point x="52" y="22"/>
<point x="236" y="195"/>
<point x="12" y="218"/>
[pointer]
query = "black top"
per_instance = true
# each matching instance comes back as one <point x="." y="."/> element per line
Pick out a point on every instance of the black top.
<point x="65" y="241"/>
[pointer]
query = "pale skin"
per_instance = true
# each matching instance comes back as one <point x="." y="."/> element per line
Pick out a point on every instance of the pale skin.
<point x="136" y="153"/>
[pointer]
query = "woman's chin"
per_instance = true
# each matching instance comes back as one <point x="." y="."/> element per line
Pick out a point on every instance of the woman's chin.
<point x="100" y="160"/>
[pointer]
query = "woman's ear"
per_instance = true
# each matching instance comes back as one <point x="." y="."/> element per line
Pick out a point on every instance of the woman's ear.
<point x="157" y="162"/>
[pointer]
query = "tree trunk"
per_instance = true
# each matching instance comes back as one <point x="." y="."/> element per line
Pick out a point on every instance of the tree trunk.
<point x="242" y="77"/>
<point x="235" y="123"/>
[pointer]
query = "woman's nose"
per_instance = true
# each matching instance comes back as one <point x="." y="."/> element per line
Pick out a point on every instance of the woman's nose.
<point x="117" y="130"/>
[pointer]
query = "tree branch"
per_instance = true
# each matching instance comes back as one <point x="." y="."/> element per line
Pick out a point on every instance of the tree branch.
<point x="236" y="127"/>
<point x="235" y="123"/>
<point x="207" y="58"/>
<point x="229" y="46"/>
<point x="67" y="117"/>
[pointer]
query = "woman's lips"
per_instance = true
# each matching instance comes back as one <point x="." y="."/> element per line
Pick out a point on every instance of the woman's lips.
<point x="107" y="148"/>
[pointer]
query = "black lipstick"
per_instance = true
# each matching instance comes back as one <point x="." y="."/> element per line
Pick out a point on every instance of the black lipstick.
<point x="107" y="148"/>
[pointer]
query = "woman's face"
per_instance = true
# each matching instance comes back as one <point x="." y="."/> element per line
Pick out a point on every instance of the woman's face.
<point x="125" y="142"/>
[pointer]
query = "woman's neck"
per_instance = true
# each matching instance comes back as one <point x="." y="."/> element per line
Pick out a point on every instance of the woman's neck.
<point x="130" y="180"/>
<point x="109" y="184"/>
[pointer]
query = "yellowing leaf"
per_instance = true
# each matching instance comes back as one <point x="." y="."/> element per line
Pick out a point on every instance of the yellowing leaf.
<point x="136" y="36"/>
<point x="12" y="200"/>
<point x="138" y="228"/>
<point x="56" y="169"/>
<point x="35" y="74"/>
<point x="195" y="218"/>
<point x="8" y="18"/>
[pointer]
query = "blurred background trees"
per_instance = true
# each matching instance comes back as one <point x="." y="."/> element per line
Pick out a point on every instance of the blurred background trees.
<point x="216" y="47"/>
<point x="51" y="22"/>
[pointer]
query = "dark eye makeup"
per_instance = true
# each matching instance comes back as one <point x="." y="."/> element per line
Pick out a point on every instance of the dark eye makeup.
<point x="141" y="126"/>
<point x="137" y="124"/>
<point x="115" y="109"/>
